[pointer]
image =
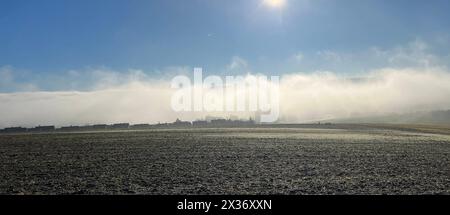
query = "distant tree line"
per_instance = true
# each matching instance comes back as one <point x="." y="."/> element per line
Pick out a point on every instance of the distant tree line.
<point x="127" y="126"/>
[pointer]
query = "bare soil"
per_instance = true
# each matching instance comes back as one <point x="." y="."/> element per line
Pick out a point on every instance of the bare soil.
<point x="318" y="160"/>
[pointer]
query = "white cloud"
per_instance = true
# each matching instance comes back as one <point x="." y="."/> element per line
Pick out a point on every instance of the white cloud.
<point x="8" y="81"/>
<point x="330" y="56"/>
<point x="238" y="63"/>
<point x="298" y="57"/>
<point x="414" y="54"/>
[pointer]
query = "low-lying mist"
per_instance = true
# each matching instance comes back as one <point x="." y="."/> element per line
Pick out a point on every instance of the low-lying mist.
<point x="303" y="98"/>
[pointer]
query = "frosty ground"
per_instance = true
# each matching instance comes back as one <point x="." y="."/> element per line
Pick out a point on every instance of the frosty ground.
<point x="336" y="159"/>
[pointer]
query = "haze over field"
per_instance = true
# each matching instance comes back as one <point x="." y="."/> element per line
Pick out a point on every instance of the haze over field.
<point x="304" y="98"/>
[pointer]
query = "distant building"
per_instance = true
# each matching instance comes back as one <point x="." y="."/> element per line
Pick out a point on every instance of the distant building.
<point x="49" y="128"/>
<point x="211" y="118"/>
<point x="231" y="123"/>
<point x="219" y="122"/>
<point x="119" y="126"/>
<point x="70" y="128"/>
<point x="179" y="123"/>
<point x="86" y="128"/>
<point x="141" y="126"/>
<point x="200" y="123"/>
<point x="100" y="127"/>
<point x="14" y="130"/>
<point x="162" y="125"/>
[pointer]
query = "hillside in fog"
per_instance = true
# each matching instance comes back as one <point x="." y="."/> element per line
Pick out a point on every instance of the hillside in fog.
<point x="441" y="117"/>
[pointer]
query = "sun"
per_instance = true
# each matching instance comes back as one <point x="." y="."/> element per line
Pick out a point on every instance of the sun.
<point x="274" y="3"/>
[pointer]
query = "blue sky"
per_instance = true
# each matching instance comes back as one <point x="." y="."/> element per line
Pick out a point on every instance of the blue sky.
<point x="48" y="38"/>
<point x="79" y="62"/>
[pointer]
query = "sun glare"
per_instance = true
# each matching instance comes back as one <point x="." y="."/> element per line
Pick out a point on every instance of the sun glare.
<point x="275" y="3"/>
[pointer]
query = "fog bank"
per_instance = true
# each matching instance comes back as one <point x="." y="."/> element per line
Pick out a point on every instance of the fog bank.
<point x="303" y="98"/>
